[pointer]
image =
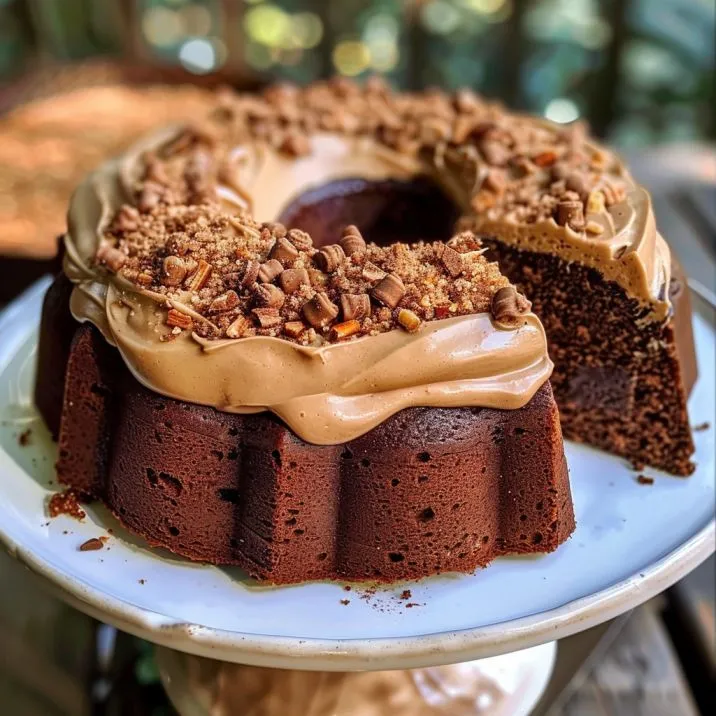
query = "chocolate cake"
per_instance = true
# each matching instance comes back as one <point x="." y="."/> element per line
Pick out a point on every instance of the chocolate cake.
<point x="349" y="392"/>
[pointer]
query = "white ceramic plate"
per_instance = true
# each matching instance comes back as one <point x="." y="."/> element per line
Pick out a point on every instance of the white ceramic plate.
<point x="632" y="541"/>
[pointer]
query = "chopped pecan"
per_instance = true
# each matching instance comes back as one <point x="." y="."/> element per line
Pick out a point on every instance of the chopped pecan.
<point x="293" y="329"/>
<point x="179" y="320"/>
<point x="251" y="274"/>
<point x="111" y="257"/>
<point x="201" y="276"/>
<point x="545" y="159"/>
<point x="238" y="327"/>
<point x="267" y="317"/>
<point x="224" y="302"/>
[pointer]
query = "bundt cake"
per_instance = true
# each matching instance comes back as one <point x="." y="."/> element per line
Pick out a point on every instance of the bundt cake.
<point x="281" y="362"/>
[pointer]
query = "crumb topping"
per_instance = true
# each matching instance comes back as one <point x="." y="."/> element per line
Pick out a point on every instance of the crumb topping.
<point x="229" y="277"/>
<point x="514" y="166"/>
<point x="226" y="276"/>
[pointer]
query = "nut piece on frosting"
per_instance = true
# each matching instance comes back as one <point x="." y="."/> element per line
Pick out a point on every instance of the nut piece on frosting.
<point x="509" y="307"/>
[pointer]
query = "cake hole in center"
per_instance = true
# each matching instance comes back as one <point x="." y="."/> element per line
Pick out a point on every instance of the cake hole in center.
<point x="386" y="212"/>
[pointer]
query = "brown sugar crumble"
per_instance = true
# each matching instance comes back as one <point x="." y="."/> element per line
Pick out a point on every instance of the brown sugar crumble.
<point x="223" y="276"/>
<point x="24" y="438"/>
<point x="701" y="427"/>
<point x="345" y="602"/>
<point x="406" y="594"/>
<point x="645" y="480"/>
<point x="66" y="503"/>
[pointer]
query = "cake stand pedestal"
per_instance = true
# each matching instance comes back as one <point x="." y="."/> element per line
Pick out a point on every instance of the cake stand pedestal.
<point x="506" y="685"/>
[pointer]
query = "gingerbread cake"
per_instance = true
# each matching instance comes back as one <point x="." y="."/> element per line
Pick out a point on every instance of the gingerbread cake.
<point x="285" y="362"/>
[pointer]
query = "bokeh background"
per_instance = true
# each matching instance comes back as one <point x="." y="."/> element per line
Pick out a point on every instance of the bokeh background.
<point x="640" y="71"/>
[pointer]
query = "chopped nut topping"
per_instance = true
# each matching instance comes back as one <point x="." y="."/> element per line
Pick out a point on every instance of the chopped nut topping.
<point x="110" y="257"/>
<point x="545" y="159"/>
<point x="179" y="319"/>
<point x="201" y="276"/>
<point x="251" y="274"/>
<point x="173" y="271"/>
<point x="267" y="317"/>
<point x="225" y="302"/>
<point x="293" y="329"/>
<point x="179" y="242"/>
<point x="238" y="328"/>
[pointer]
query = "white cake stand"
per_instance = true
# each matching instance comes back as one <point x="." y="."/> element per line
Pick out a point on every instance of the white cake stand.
<point x="632" y="541"/>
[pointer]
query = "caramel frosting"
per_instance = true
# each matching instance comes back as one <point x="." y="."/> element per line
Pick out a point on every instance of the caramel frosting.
<point x="332" y="392"/>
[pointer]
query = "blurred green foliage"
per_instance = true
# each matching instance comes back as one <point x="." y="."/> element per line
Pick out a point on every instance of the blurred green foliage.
<point x="641" y="71"/>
